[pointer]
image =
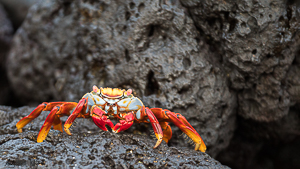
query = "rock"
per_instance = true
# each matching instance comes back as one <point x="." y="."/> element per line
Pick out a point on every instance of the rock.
<point x="6" y="32"/>
<point x="153" y="48"/>
<point x="293" y="79"/>
<point x="17" y="10"/>
<point x="259" y="46"/>
<point x="215" y="62"/>
<point x="256" y="40"/>
<point x="265" y="145"/>
<point x="91" y="149"/>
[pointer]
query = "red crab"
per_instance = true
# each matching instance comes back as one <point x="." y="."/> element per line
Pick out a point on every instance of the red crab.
<point x="104" y="103"/>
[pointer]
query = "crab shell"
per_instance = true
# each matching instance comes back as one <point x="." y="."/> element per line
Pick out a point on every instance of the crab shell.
<point x="115" y="102"/>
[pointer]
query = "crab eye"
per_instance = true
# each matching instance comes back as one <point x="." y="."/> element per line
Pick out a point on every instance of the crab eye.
<point x="96" y="89"/>
<point x="128" y="92"/>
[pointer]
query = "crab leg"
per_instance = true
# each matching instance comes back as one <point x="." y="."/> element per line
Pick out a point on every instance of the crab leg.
<point x="53" y="119"/>
<point x="145" y="114"/>
<point x="99" y="119"/>
<point x="57" y="124"/>
<point x="182" y="124"/>
<point x="35" y="113"/>
<point x="155" y="125"/>
<point x="81" y="104"/>
<point x="167" y="131"/>
<point x="175" y="118"/>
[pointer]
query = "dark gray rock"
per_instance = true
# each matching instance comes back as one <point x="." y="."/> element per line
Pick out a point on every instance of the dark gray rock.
<point x="265" y="145"/>
<point x="153" y="48"/>
<point x="206" y="59"/>
<point x="292" y="80"/>
<point x="259" y="46"/>
<point x="6" y="32"/>
<point x="93" y="149"/>
<point x="256" y="39"/>
<point x="17" y="10"/>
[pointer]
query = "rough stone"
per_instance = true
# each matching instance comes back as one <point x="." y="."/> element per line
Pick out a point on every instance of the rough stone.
<point x="265" y="145"/>
<point x="206" y="59"/>
<point x="88" y="149"/>
<point x="6" y="32"/>
<point x="66" y="47"/>
<point x="17" y="10"/>
<point x="256" y="39"/>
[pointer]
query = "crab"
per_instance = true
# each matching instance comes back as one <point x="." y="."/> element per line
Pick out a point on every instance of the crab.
<point x="103" y="104"/>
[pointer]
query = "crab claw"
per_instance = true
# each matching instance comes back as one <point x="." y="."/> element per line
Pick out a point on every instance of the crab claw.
<point x="99" y="119"/>
<point x="124" y="124"/>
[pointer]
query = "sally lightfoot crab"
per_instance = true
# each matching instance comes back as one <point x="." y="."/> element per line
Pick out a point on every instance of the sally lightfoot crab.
<point x="105" y="103"/>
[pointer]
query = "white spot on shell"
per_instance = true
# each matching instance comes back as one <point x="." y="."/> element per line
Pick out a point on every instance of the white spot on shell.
<point x="138" y="114"/>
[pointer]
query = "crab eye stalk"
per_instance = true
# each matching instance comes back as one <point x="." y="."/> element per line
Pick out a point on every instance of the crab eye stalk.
<point x="96" y="89"/>
<point x="127" y="93"/>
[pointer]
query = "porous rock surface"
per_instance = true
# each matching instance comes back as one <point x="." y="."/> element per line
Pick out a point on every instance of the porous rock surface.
<point x="259" y="41"/>
<point x="66" y="47"/>
<point x="206" y="59"/>
<point x="88" y="147"/>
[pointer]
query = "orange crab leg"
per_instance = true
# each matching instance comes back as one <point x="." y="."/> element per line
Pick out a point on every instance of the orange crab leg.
<point x="99" y="119"/>
<point x="167" y="131"/>
<point x="188" y="131"/>
<point x="183" y="119"/>
<point x="57" y="124"/>
<point x="147" y="114"/>
<point x="47" y="125"/>
<point x="66" y="108"/>
<point x="182" y="124"/>
<point x="53" y="118"/>
<point x="35" y="113"/>
<point x="81" y="104"/>
<point x="161" y="115"/>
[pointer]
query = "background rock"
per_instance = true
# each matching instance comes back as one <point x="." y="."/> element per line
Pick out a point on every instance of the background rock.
<point x="265" y="145"/>
<point x="17" y="10"/>
<point x="6" y="32"/>
<point x="72" y="46"/>
<point x="91" y="149"/>
<point x="221" y="64"/>
<point x="257" y="40"/>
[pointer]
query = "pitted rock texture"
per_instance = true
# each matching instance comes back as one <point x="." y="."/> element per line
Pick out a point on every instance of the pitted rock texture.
<point x="257" y="42"/>
<point x="293" y="80"/>
<point x="91" y="149"/>
<point x="152" y="47"/>
<point x="205" y="59"/>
